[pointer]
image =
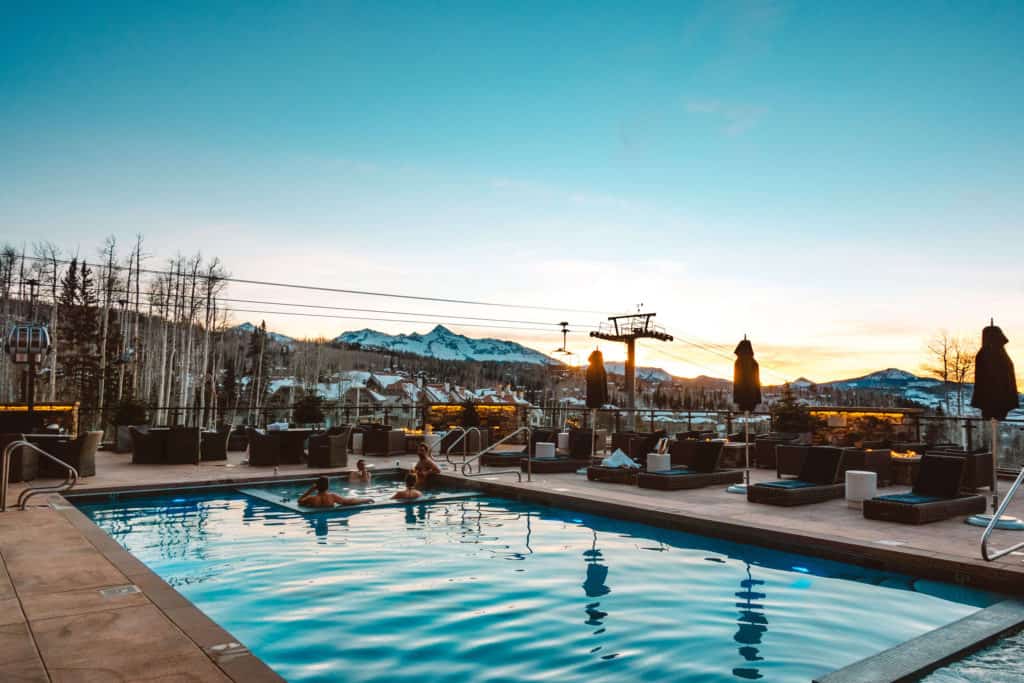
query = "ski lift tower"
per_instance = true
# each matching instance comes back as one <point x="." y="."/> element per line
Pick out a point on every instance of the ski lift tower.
<point x="627" y="329"/>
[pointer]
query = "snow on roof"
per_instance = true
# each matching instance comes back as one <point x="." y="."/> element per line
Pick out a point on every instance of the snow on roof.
<point x="386" y="380"/>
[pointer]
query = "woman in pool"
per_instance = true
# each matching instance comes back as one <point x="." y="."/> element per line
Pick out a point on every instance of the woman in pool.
<point x="410" y="490"/>
<point x="361" y="475"/>
<point x="323" y="498"/>
<point x="425" y="467"/>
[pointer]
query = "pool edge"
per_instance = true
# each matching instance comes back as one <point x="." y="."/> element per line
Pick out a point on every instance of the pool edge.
<point x="237" y="663"/>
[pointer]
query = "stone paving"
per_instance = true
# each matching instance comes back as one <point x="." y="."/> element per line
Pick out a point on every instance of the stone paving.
<point x="66" y="614"/>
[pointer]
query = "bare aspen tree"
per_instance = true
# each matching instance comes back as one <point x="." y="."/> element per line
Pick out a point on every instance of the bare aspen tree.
<point x="940" y="362"/>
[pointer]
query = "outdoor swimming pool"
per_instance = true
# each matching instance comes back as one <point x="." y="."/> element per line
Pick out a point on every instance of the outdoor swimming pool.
<point x="488" y="589"/>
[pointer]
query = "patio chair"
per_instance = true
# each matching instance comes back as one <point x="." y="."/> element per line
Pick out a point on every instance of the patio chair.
<point x="238" y="440"/>
<point x="214" y="445"/>
<point x="80" y="453"/>
<point x="937" y="495"/>
<point x="384" y="441"/>
<point x="765" y="446"/>
<point x="183" y="446"/>
<point x="329" y="450"/>
<point x="816" y="483"/>
<point x="148" y="446"/>
<point x="264" y="448"/>
<point x="24" y="461"/>
<point x="877" y="460"/>
<point x="701" y="469"/>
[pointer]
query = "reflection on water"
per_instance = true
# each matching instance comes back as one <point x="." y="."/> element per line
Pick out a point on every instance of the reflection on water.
<point x="489" y="590"/>
<point x="752" y="626"/>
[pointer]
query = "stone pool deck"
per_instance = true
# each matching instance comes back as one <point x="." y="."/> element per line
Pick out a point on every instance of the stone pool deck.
<point x="74" y="606"/>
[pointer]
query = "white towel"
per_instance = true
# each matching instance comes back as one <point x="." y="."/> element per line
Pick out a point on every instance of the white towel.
<point x="619" y="459"/>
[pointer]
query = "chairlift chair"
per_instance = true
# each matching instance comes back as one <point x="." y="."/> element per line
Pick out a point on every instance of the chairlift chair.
<point x="27" y="343"/>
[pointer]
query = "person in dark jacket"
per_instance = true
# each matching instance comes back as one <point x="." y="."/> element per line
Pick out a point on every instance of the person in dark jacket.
<point x="597" y="381"/>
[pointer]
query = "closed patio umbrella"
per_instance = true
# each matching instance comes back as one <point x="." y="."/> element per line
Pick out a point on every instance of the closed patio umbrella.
<point x="746" y="394"/>
<point x="597" y="390"/>
<point x="995" y="390"/>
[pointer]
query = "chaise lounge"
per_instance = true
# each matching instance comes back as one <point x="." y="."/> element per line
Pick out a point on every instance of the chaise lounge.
<point x="817" y="481"/>
<point x="698" y="469"/>
<point x="512" y="458"/>
<point x="937" y="495"/>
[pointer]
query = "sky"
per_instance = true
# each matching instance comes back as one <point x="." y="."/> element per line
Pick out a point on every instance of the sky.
<point x="838" y="181"/>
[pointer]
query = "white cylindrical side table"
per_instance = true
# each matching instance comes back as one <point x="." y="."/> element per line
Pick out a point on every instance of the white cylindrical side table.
<point x="357" y="443"/>
<point x="544" y="449"/>
<point x="860" y="486"/>
<point x="563" y="441"/>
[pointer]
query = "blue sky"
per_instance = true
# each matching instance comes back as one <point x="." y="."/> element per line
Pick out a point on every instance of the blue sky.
<point x="837" y="180"/>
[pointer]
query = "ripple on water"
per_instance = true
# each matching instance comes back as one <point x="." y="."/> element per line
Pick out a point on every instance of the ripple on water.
<point x="491" y="590"/>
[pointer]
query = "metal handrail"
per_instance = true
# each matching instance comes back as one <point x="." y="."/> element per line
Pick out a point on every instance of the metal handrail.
<point x="464" y="440"/>
<point x="476" y="458"/>
<point x="996" y="554"/>
<point x="70" y="479"/>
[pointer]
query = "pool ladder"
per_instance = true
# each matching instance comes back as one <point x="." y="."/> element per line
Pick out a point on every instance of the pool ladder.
<point x="467" y="466"/>
<point x="463" y="438"/>
<point x="991" y="555"/>
<point x="70" y="479"/>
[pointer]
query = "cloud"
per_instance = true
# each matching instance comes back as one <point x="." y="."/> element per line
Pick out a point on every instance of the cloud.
<point x="735" y="119"/>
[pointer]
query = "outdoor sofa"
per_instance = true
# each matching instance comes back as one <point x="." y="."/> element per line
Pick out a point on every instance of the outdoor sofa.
<point x="700" y="468"/>
<point x="937" y="495"/>
<point x="817" y="481"/>
<point x="79" y="453"/>
<point x="24" y="464"/>
<point x="329" y="449"/>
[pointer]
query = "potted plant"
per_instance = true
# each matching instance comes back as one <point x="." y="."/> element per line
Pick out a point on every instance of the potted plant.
<point x="308" y="410"/>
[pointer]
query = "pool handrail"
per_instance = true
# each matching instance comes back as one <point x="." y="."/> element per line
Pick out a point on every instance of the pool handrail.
<point x="463" y="438"/>
<point x="70" y="479"/>
<point x="992" y="555"/>
<point x="476" y="458"/>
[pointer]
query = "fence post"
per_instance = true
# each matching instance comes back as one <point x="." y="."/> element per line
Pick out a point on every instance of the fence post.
<point x="652" y="420"/>
<point x="968" y="429"/>
<point x="387" y="416"/>
<point x="728" y="423"/>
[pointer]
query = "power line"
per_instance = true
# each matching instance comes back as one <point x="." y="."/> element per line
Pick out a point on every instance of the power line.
<point x="390" y="320"/>
<point x="334" y="290"/>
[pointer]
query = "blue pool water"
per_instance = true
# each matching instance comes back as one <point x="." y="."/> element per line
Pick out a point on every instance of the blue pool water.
<point x="487" y="589"/>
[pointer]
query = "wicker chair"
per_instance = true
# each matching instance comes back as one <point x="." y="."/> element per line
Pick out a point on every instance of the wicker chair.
<point x="214" y="445"/>
<point x="816" y="483"/>
<point x="149" y="446"/>
<point x="701" y="469"/>
<point x="329" y="450"/>
<point x="264" y="448"/>
<point x="79" y="453"/>
<point x="183" y="446"/>
<point x="937" y="495"/>
<point x="384" y="442"/>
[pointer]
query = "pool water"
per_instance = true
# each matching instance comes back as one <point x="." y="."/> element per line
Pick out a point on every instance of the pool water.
<point x="1001" y="662"/>
<point x="487" y="589"/>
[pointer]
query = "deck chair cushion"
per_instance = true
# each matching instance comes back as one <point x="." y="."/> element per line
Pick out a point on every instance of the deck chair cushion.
<point x="909" y="498"/>
<point x="787" y="484"/>
<point x="939" y="476"/>
<point x="820" y="465"/>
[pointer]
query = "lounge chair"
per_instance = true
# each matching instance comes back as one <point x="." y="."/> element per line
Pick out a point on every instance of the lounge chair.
<point x="937" y="495"/>
<point x="329" y="450"/>
<point x="80" y="453"/>
<point x="789" y="459"/>
<point x="148" y="446"/>
<point x="816" y="483"/>
<point x="764" y="448"/>
<point x="612" y="475"/>
<point x="701" y="469"/>
<point x="512" y="458"/>
<point x="555" y="465"/>
<point x="977" y="465"/>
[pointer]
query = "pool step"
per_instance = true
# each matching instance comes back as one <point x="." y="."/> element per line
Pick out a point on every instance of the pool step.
<point x="913" y="659"/>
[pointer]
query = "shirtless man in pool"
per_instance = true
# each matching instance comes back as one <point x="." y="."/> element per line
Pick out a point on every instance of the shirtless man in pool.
<point x="425" y="467"/>
<point x="323" y="498"/>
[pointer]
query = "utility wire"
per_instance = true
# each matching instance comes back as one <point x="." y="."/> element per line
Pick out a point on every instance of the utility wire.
<point x="317" y="288"/>
<point x="389" y="320"/>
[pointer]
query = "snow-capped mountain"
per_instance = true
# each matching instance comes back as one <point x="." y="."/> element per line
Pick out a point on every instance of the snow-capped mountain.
<point x="442" y="343"/>
<point x="890" y="378"/>
<point x="249" y="328"/>
<point x="646" y="373"/>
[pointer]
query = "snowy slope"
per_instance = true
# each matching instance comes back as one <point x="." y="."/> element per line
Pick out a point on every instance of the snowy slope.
<point x="442" y="343"/>
<point x="249" y="328"/>
<point x="646" y="373"/>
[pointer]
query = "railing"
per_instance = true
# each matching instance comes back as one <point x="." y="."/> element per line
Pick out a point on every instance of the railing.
<point x="476" y="458"/>
<point x="70" y="479"/>
<point x="994" y="522"/>
<point x="463" y="438"/>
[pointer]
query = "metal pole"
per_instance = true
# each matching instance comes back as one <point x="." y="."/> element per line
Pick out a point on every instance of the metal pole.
<point x="5" y="466"/>
<point x="746" y="443"/>
<point x="995" y="464"/>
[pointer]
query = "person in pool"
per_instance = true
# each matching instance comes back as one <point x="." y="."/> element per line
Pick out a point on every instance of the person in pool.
<point x="410" y="490"/>
<point x="425" y="467"/>
<point x="323" y="498"/>
<point x="361" y="475"/>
